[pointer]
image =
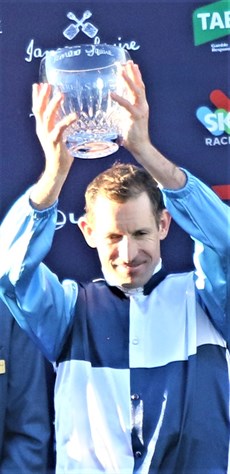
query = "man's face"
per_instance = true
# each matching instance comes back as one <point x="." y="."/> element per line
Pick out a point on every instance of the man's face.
<point x="127" y="239"/>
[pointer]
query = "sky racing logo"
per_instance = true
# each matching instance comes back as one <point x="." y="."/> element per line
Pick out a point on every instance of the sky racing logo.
<point x="217" y="120"/>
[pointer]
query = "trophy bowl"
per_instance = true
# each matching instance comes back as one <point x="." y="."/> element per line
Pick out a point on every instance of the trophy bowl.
<point x="85" y="75"/>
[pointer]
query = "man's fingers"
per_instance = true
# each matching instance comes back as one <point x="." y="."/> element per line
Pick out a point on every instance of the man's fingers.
<point x="44" y="105"/>
<point x="135" y="93"/>
<point x="52" y="109"/>
<point x="122" y="101"/>
<point x="46" y="108"/>
<point x="62" y="125"/>
<point x="50" y="122"/>
<point x="40" y="98"/>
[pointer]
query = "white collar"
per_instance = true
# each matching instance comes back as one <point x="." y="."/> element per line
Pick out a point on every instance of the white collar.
<point x="131" y="291"/>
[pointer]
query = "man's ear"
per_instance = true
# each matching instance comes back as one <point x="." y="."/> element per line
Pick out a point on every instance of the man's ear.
<point x="87" y="231"/>
<point x="164" y="224"/>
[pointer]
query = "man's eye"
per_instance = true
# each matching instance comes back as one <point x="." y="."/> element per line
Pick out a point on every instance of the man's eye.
<point x="141" y="233"/>
<point x="113" y="237"/>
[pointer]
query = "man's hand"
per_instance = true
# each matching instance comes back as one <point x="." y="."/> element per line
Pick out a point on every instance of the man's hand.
<point x="50" y="131"/>
<point x="136" y="122"/>
<point x="136" y="131"/>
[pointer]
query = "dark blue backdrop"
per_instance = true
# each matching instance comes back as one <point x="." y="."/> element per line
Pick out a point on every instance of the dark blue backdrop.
<point x="179" y="77"/>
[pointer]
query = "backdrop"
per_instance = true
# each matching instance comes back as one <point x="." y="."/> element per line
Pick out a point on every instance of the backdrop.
<point x="183" y="50"/>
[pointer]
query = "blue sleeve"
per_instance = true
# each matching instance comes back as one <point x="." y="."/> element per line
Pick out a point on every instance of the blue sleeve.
<point x="41" y="304"/>
<point x="200" y="212"/>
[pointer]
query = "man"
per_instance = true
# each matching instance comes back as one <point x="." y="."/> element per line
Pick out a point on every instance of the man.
<point x="25" y="426"/>
<point x="142" y="361"/>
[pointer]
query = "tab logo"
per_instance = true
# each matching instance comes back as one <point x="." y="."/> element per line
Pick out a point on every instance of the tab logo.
<point x="211" y="22"/>
<point x="216" y="121"/>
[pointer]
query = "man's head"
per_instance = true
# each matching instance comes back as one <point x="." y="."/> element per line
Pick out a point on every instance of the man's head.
<point x="125" y="220"/>
<point x="122" y="182"/>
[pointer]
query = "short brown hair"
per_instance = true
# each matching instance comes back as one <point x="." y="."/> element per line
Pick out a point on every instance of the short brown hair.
<point x="122" y="182"/>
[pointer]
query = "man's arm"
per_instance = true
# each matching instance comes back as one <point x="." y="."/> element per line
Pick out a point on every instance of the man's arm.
<point x="39" y="302"/>
<point x="200" y="212"/>
<point x="136" y="133"/>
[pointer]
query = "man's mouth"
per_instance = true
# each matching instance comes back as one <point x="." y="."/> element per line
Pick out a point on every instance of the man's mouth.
<point x="128" y="267"/>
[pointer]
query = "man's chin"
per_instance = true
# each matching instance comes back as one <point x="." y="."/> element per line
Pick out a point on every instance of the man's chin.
<point x="131" y="283"/>
<point x="128" y="280"/>
<point x="130" y="286"/>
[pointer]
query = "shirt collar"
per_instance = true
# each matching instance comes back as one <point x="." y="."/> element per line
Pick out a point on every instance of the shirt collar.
<point x="157" y="277"/>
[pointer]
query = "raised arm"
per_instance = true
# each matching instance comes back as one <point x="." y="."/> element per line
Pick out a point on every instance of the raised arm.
<point x="136" y="132"/>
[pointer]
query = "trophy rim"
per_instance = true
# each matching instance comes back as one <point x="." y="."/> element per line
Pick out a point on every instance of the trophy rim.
<point x="53" y="52"/>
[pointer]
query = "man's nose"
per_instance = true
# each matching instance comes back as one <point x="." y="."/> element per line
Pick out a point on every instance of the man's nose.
<point x="127" y="249"/>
